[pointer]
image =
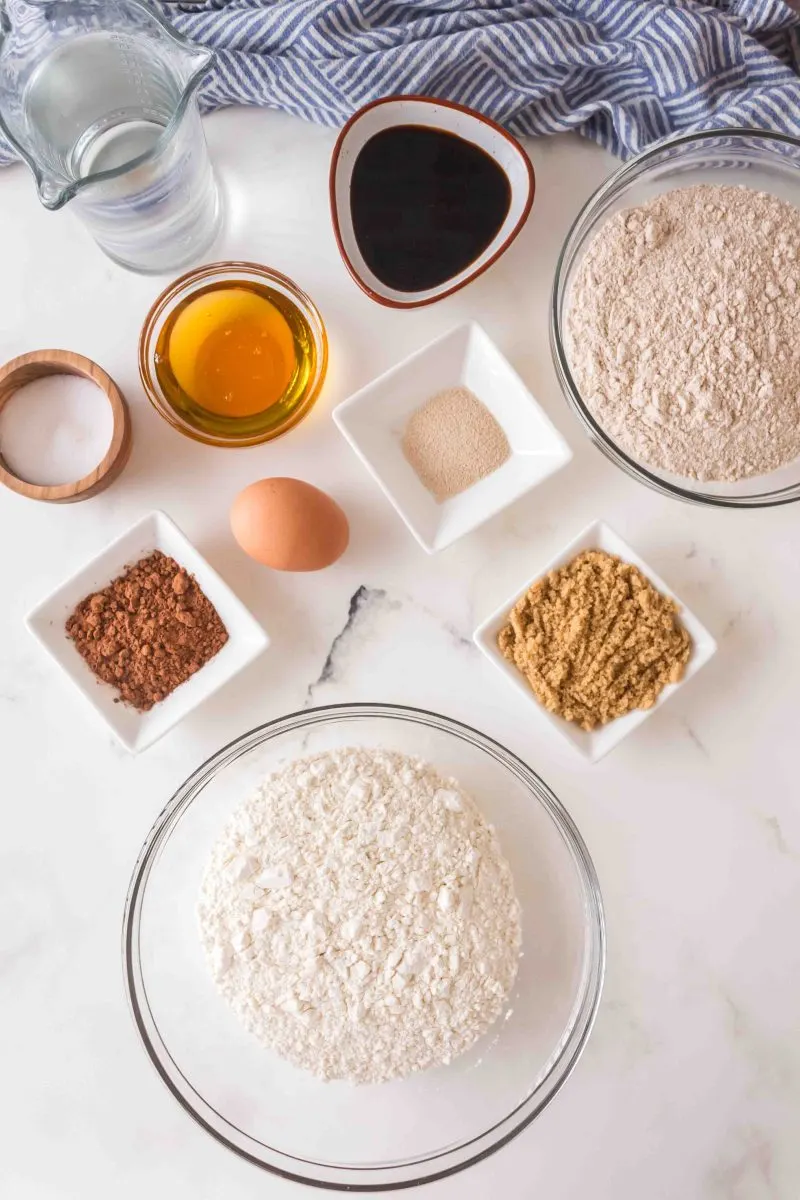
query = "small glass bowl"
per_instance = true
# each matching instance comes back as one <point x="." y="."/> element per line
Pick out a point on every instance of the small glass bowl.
<point x="374" y="1137"/>
<point x="193" y="281"/>
<point x="760" y="160"/>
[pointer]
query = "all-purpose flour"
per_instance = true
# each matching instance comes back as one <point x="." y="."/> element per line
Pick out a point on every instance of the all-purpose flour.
<point x="682" y="331"/>
<point x="359" y="916"/>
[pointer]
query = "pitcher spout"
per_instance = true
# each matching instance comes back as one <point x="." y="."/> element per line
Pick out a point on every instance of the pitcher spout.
<point x="52" y="194"/>
<point x="98" y="97"/>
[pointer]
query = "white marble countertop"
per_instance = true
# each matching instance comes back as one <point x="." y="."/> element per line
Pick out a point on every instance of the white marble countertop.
<point x="690" y="1086"/>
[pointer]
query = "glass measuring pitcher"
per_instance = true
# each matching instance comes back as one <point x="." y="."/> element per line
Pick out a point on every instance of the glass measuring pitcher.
<point x="99" y="97"/>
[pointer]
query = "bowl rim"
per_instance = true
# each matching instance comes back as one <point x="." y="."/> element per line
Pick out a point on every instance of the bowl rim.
<point x="569" y="1047"/>
<point x="569" y="387"/>
<point x="174" y="292"/>
<point x="337" y="232"/>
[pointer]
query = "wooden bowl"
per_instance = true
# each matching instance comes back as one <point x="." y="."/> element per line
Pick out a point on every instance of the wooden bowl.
<point x="37" y="364"/>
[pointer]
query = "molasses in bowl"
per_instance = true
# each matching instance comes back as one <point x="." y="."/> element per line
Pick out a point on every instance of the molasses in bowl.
<point x="425" y="196"/>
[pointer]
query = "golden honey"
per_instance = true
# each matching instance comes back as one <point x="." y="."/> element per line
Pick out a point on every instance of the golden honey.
<point x="235" y="359"/>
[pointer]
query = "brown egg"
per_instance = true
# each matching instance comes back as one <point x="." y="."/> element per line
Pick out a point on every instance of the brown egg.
<point x="289" y="525"/>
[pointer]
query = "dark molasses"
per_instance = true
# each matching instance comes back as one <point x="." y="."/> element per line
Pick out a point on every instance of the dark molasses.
<point x="425" y="204"/>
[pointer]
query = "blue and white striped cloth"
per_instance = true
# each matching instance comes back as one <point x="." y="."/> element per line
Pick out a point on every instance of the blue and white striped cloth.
<point x="622" y="72"/>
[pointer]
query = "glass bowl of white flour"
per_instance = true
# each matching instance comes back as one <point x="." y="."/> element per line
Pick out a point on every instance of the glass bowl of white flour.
<point x="674" y="318"/>
<point x="364" y="946"/>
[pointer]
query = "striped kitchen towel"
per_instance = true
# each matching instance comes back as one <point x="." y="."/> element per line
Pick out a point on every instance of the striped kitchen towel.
<point x="622" y="72"/>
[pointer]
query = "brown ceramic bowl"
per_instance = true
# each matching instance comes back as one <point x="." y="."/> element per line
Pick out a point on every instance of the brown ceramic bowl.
<point x="435" y="114"/>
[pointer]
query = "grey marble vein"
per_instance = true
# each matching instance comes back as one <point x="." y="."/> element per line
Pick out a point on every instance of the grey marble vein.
<point x="774" y="826"/>
<point x="693" y="737"/>
<point x="362" y="599"/>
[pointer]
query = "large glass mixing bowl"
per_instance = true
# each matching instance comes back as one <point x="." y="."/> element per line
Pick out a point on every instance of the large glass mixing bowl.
<point x="390" y="1135"/>
<point x="760" y="160"/>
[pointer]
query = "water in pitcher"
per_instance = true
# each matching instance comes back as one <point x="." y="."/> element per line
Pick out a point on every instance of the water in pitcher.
<point x="99" y="97"/>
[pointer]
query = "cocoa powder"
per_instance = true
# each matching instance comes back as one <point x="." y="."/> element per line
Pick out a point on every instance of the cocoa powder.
<point x="148" y="631"/>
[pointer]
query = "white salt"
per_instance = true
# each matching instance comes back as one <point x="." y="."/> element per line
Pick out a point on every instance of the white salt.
<point x="55" y="430"/>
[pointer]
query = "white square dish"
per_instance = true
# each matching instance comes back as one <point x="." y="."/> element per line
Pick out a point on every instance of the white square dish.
<point x="373" y="421"/>
<point x="594" y="744"/>
<point x="135" y="730"/>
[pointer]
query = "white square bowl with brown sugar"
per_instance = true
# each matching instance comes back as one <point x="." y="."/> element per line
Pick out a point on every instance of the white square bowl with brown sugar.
<point x="137" y="730"/>
<point x="594" y="744"/>
<point x="374" y="420"/>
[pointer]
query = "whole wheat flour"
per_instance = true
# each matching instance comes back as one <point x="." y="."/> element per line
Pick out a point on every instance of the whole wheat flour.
<point x="682" y="331"/>
<point x="359" y="916"/>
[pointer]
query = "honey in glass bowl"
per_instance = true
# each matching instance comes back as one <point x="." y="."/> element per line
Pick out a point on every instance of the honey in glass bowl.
<point x="235" y="357"/>
<point x="233" y="354"/>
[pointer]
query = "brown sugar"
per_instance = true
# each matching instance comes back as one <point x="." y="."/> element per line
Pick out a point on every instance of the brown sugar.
<point x="148" y="631"/>
<point x="595" y="640"/>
